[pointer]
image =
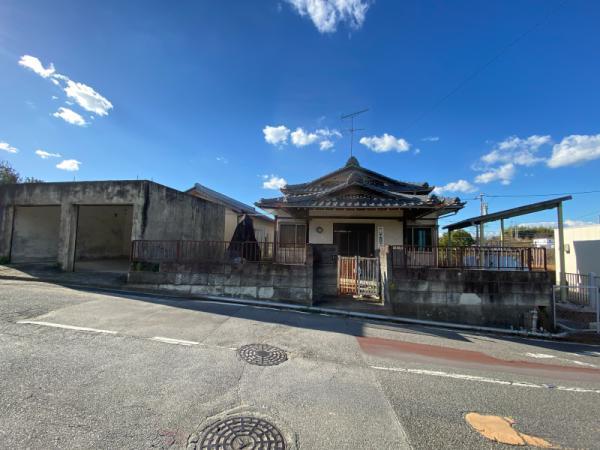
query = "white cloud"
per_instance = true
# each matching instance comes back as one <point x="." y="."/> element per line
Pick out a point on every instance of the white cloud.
<point x="33" y="63"/>
<point x="504" y="174"/>
<point x="385" y="143"/>
<point x="69" y="164"/>
<point x="5" y="146"/>
<point x="301" y="138"/>
<point x="70" y="116"/>
<point x="326" y="132"/>
<point x="455" y="186"/>
<point x="327" y="14"/>
<point x="85" y="96"/>
<point x="88" y="98"/>
<point x="222" y="159"/>
<point x="326" y="144"/>
<point x="276" y="135"/>
<point x="279" y="135"/>
<point x="518" y="151"/>
<point x="575" y="149"/>
<point x="431" y="139"/>
<point x="45" y="155"/>
<point x="273" y="182"/>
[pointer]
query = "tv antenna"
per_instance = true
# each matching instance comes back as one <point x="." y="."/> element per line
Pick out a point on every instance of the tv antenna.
<point x="351" y="116"/>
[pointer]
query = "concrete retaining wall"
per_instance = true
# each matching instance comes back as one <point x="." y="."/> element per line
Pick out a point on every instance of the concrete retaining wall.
<point x="264" y="280"/>
<point x="474" y="297"/>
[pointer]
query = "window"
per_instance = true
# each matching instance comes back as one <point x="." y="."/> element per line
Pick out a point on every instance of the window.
<point x="418" y="236"/>
<point x="292" y="234"/>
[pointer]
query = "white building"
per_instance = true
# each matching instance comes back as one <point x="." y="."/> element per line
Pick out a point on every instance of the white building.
<point x="582" y="250"/>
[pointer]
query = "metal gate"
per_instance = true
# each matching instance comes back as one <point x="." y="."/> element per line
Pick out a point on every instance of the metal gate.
<point x="358" y="276"/>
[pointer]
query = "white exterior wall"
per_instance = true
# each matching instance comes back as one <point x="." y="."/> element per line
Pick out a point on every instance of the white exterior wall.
<point x="582" y="250"/>
<point x="262" y="227"/>
<point x="392" y="230"/>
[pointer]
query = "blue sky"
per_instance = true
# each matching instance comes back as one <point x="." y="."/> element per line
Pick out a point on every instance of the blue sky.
<point x="493" y="97"/>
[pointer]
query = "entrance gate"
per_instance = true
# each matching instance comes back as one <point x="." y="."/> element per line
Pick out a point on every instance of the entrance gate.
<point x="358" y="276"/>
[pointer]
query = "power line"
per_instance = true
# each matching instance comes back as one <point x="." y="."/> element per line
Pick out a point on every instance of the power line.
<point x="538" y="195"/>
<point x="485" y="65"/>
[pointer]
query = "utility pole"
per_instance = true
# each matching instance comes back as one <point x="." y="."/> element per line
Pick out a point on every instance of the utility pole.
<point x="351" y="116"/>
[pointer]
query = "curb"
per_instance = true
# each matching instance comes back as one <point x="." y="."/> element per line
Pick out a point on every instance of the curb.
<point x="293" y="307"/>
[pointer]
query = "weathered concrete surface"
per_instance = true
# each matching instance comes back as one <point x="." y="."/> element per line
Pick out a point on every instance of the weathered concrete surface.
<point x="35" y="236"/>
<point x="474" y="297"/>
<point x="103" y="232"/>
<point x="264" y="280"/>
<point x="158" y="212"/>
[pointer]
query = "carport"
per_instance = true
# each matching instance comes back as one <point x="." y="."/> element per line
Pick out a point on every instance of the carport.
<point x="35" y="234"/>
<point x="103" y="238"/>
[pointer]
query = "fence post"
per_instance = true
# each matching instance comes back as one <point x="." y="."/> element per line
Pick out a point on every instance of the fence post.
<point x="593" y="288"/>
<point x="529" y="258"/>
<point x="545" y="259"/>
<point x="178" y="251"/>
<point x="357" y="275"/>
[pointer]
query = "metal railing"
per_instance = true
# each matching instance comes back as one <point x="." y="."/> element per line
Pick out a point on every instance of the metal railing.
<point x="475" y="257"/>
<point x="577" y="307"/>
<point x="581" y="288"/>
<point x="183" y="251"/>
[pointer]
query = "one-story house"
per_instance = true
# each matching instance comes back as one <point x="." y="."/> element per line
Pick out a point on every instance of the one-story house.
<point x="358" y="210"/>
<point x="234" y="213"/>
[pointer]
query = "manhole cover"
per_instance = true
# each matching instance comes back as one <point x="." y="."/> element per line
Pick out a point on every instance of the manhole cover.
<point x="262" y="354"/>
<point x="238" y="433"/>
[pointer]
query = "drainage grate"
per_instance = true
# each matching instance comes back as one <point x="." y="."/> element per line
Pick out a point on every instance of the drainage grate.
<point x="238" y="433"/>
<point x="262" y="354"/>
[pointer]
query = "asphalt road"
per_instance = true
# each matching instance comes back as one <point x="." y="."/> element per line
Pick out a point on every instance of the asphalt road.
<point x="82" y="369"/>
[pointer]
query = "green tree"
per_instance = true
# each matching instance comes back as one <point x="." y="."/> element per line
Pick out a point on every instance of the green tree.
<point x="460" y="238"/>
<point x="8" y="175"/>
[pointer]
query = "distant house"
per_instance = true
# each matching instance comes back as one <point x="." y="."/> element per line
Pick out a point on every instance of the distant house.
<point x="543" y="242"/>
<point x="582" y="250"/>
<point x="358" y="210"/>
<point x="235" y="211"/>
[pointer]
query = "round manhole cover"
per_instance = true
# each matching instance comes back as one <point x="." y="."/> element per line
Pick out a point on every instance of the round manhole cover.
<point x="237" y="433"/>
<point x="262" y="354"/>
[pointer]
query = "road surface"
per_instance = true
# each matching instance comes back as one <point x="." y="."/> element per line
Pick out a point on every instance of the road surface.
<point x="91" y="369"/>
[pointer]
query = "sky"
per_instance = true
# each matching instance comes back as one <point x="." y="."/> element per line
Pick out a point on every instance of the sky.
<point x="499" y="98"/>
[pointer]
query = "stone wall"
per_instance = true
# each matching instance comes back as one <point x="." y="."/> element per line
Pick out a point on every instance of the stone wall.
<point x="474" y="297"/>
<point x="252" y="280"/>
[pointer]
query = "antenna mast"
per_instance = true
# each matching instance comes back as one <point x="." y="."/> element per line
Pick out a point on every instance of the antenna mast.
<point x="351" y="116"/>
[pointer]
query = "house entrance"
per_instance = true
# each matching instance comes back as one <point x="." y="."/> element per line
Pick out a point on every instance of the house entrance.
<point x="354" y="239"/>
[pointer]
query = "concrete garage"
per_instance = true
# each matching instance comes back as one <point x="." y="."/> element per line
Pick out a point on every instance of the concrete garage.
<point x="35" y="234"/>
<point x="103" y="239"/>
<point x="89" y="225"/>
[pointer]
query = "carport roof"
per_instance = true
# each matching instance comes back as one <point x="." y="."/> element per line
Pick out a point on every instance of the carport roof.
<point x="508" y="213"/>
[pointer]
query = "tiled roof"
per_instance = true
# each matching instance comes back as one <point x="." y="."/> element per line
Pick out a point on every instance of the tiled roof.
<point x="355" y="187"/>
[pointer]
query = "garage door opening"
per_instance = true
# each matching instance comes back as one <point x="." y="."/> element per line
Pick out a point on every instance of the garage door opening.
<point x="103" y="238"/>
<point x="35" y="234"/>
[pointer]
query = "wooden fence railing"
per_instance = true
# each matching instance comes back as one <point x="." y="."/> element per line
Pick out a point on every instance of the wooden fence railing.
<point x="475" y="257"/>
<point x="158" y="251"/>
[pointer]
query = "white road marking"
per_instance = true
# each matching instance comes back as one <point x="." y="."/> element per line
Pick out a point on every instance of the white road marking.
<point x="167" y="340"/>
<point x="66" y="327"/>
<point x="581" y="363"/>
<point x="461" y="376"/>
<point x="539" y="355"/>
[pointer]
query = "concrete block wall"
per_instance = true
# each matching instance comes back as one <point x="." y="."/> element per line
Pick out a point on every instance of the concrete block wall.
<point x="474" y="297"/>
<point x="253" y="280"/>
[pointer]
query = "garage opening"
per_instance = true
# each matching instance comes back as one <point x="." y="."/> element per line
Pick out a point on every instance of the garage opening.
<point x="103" y="238"/>
<point x="35" y="234"/>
